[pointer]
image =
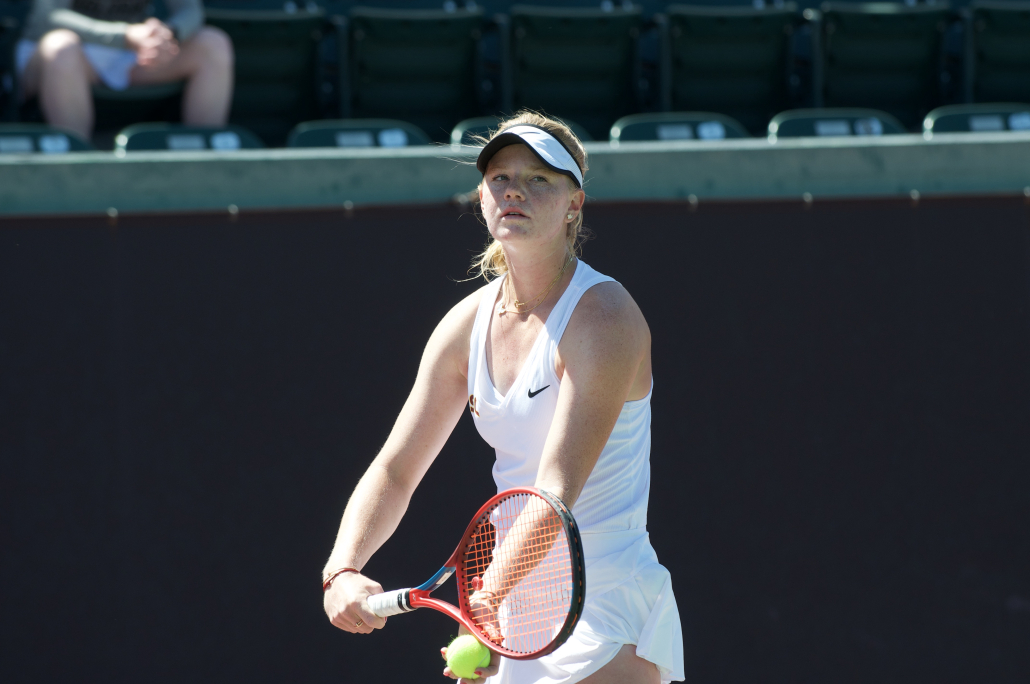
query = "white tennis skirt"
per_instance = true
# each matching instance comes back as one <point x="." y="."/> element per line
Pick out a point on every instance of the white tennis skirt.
<point x="629" y="601"/>
<point x="113" y="65"/>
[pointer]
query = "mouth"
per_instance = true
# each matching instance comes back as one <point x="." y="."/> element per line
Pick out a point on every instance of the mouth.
<point x="512" y="213"/>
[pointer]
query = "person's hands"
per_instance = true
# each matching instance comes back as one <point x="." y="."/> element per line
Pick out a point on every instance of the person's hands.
<point x="483" y="672"/>
<point x="483" y="607"/>
<point x="346" y="603"/>
<point x="152" y="41"/>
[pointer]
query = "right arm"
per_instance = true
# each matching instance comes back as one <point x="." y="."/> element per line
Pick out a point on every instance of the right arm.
<point x="381" y="497"/>
<point x="55" y="14"/>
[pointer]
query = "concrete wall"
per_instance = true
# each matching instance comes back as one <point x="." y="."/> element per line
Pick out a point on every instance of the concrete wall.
<point x="968" y="164"/>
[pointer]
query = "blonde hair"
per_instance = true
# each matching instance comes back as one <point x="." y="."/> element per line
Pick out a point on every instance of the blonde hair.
<point x="491" y="263"/>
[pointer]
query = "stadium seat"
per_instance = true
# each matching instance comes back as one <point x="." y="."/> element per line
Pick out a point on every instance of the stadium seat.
<point x="732" y="60"/>
<point x="465" y="132"/>
<point x="357" y="133"/>
<point x="12" y="18"/>
<point x="801" y="123"/>
<point x="415" y="65"/>
<point x="884" y="55"/>
<point x="116" y="109"/>
<point x="978" y="118"/>
<point x="676" y="126"/>
<point x="576" y="63"/>
<point x="25" y="138"/>
<point x="997" y="59"/>
<point x="277" y="63"/>
<point x="163" y="136"/>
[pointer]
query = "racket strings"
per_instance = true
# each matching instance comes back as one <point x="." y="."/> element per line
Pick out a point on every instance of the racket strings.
<point x="518" y="574"/>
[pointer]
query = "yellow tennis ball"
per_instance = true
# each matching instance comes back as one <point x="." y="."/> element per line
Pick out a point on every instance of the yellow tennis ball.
<point x="465" y="654"/>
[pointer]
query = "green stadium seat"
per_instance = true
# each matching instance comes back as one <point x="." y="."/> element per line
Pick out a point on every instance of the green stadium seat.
<point x="416" y="65"/>
<point x="997" y="55"/>
<point x="676" y="126"/>
<point x="882" y="55"/>
<point x="465" y="132"/>
<point x="357" y="133"/>
<point x="576" y="63"/>
<point x="116" y="109"/>
<point x="978" y="118"/>
<point x="803" y="123"/>
<point x="732" y="60"/>
<point x="165" y="136"/>
<point x="12" y="16"/>
<point x="26" y="138"/>
<point x="277" y="66"/>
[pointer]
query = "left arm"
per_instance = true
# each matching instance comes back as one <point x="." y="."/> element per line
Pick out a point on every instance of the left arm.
<point x="605" y="360"/>
<point x="605" y="356"/>
<point x="185" y="17"/>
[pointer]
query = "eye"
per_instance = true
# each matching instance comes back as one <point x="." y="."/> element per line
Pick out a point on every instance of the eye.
<point x="501" y="177"/>
<point x="540" y="178"/>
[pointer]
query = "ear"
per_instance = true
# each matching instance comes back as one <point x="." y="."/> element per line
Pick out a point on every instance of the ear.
<point x="577" y="200"/>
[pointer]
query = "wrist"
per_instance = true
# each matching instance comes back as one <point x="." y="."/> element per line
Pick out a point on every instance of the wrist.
<point x="328" y="579"/>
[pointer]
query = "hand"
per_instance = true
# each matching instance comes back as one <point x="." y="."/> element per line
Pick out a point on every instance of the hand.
<point x="152" y="41"/>
<point x="483" y="672"/>
<point x="483" y="607"/>
<point x="346" y="603"/>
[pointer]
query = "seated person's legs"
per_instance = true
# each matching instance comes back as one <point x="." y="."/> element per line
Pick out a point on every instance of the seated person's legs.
<point x="59" y="73"/>
<point x="205" y="62"/>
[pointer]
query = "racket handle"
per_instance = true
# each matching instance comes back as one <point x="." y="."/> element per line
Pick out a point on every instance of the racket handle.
<point x="390" y="603"/>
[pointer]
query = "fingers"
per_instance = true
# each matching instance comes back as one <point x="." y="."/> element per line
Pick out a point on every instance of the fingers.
<point x="156" y="52"/>
<point x="346" y="604"/>
<point x="482" y="672"/>
<point x="357" y="623"/>
<point x="493" y="668"/>
<point x="370" y="618"/>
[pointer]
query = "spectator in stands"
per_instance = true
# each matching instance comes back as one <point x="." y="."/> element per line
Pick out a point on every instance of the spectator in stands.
<point x="68" y="45"/>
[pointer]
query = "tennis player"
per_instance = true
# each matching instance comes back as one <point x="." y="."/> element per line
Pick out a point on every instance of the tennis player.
<point x="553" y="360"/>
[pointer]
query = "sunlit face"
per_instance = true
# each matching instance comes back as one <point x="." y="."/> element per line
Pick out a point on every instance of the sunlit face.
<point x="523" y="201"/>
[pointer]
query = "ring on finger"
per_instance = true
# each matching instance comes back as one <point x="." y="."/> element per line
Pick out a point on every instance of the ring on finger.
<point x="359" y="623"/>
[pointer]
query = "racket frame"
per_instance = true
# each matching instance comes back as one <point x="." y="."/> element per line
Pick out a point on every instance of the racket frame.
<point x="419" y="597"/>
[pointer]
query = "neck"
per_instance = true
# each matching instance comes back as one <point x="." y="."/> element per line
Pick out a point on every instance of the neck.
<point x="531" y="276"/>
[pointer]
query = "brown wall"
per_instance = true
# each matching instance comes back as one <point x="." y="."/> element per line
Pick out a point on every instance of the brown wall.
<point x="839" y="456"/>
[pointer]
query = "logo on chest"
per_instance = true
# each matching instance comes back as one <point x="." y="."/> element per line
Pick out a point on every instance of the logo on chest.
<point x="533" y="393"/>
<point x="472" y="405"/>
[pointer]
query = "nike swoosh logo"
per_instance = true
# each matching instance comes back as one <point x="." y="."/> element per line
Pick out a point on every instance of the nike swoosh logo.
<point x="533" y="394"/>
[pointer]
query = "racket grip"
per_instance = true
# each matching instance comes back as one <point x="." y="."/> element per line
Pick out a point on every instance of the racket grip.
<point x="390" y="603"/>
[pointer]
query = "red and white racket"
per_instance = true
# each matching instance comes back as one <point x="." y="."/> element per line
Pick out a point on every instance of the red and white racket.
<point x="521" y="579"/>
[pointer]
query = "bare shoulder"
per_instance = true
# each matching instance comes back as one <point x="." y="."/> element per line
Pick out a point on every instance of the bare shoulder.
<point x="463" y="314"/>
<point x="453" y="333"/>
<point x="607" y="308"/>
<point x="607" y="316"/>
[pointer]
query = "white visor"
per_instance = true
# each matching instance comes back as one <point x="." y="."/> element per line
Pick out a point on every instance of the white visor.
<point x="549" y="149"/>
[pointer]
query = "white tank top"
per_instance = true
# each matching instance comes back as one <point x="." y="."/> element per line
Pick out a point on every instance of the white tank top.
<point x="516" y="424"/>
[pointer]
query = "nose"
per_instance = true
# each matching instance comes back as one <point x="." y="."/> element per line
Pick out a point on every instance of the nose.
<point x="514" y="190"/>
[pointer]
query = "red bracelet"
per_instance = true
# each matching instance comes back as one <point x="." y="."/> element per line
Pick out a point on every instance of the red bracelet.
<point x="329" y="580"/>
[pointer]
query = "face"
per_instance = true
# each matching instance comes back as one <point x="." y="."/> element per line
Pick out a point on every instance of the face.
<point x="525" y="202"/>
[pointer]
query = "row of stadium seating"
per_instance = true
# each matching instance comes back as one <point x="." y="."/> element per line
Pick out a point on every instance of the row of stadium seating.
<point x="664" y="126"/>
<point x="592" y="65"/>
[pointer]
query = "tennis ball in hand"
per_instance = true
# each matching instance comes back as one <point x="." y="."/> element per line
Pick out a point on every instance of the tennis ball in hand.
<point x="465" y="654"/>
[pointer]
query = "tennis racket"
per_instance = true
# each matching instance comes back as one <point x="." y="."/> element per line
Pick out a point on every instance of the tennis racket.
<point x="520" y="574"/>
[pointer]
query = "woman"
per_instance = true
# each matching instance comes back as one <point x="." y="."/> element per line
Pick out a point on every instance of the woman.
<point x="554" y="361"/>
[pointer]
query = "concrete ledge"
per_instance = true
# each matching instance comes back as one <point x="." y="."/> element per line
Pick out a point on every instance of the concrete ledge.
<point x="88" y="183"/>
